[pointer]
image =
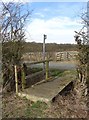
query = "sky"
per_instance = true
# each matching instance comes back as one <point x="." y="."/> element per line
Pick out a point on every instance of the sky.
<point x="58" y="20"/>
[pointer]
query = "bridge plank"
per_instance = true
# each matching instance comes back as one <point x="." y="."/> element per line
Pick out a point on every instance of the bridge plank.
<point x="47" y="91"/>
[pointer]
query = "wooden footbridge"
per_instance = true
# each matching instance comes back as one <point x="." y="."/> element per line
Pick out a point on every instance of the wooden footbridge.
<point x="45" y="90"/>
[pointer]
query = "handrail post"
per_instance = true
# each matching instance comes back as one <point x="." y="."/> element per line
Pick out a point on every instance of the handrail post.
<point x="45" y="37"/>
<point x="16" y="79"/>
<point x="47" y="69"/>
<point x="23" y="78"/>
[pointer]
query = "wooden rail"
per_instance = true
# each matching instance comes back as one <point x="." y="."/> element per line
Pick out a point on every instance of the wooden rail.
<point x="47" y="66"/>
<point x="24" y="77"/>
<point x="37" y="62"/>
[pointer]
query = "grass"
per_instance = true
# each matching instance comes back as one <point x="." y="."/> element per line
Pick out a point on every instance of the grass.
<point x="56" y="72"/>
<point x="69" y="72"/>
<point x="36" y="110"/>
<point x="53" y="72"/>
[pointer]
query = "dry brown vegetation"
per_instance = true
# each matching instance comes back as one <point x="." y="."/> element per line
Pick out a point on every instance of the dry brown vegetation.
<point x="70" y="104"/>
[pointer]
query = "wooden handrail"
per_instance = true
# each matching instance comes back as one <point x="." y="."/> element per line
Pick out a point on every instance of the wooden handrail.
<point x="23" y="77"/>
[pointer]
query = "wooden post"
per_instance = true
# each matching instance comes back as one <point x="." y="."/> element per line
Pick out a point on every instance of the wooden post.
<point x="23" y="78"/>
<point x="16" y="79"/>
<point x="60" y="56"/>
<point x="45" y="37"/>
<point x="47" y="69"/>
<point x="67" y="56"/>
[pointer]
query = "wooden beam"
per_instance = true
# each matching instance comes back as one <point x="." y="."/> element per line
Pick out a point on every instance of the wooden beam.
<point x="44" y="52"/>
<point x="43" y="61"/>
<point x="23" y="78"/>
<point x="47" y="70"/>
<point x="16" y="79"/>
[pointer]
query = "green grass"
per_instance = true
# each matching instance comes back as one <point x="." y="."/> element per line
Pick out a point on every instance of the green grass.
<point x="69" y="72"/>
<point x="55" y="72"/>
<point x="36" y="110"/>
<point x="61" y="73"/>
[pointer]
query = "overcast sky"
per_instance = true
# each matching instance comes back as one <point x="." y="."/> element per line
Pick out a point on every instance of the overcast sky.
<point x="58" y="20"/>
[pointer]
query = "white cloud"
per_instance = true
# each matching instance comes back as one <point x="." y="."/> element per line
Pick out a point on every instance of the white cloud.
<point x="40" y="15"/>
<point x="58" y="30"/>
<point x="46" y="9"/>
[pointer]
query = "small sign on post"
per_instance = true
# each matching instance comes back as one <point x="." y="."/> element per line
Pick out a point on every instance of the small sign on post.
<point x="45" y="37"/>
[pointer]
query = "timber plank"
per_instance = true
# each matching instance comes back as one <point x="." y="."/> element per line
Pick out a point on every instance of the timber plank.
<point x="46" y="91"/>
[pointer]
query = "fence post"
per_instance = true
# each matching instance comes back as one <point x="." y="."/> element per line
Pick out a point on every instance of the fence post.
<point x="67" y="56"/>
<point x="60" y="56"/>
<point x="23" y="78"/>
<point x="16" y="79"/>
<point x="47" y="69"/>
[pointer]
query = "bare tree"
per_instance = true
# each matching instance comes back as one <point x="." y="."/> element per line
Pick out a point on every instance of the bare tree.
<point x="13" y="38"/>
<point x="82" y="39"/>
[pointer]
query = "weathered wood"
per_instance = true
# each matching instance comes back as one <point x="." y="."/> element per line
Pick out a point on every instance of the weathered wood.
<point x="46" y="91"/>
<point x="42" y="61"/>
<point x="44" y="53"/>
<point x="68" y="58"/>
<point x="47" y="70"/>
<point x="23" y="78"/>
<point x="16" y="79"/>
